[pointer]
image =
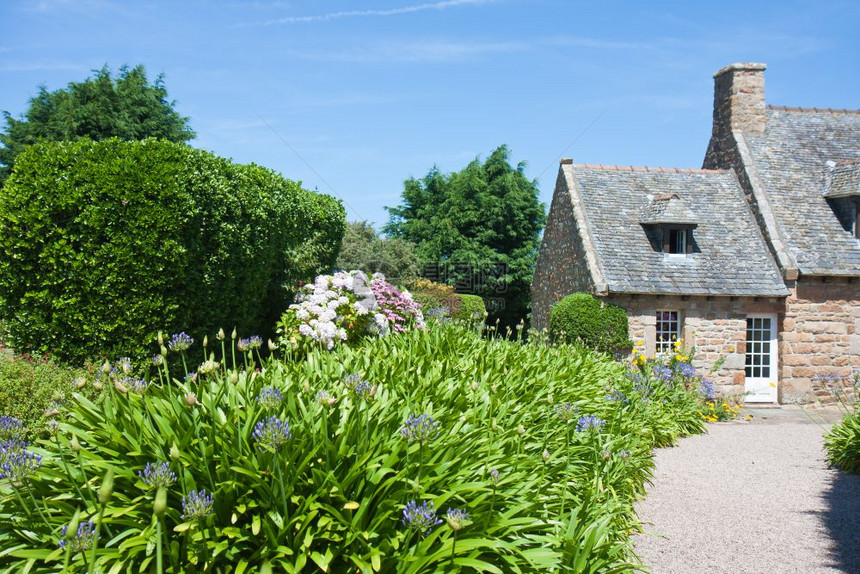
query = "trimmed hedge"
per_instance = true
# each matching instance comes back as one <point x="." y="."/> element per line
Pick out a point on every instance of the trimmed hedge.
<point x="582" y="317"/>
<point x="103" y="244"/>
<point x="472" y="308"/>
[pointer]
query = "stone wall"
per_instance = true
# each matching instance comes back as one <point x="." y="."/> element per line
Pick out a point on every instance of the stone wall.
<point x="562" y="267"/>
<point x="716" y="326"/>
<point x="821" y="336"/>
<point x="739" y="104"/>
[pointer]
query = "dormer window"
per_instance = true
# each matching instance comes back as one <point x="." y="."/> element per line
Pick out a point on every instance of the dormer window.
<point x="842" y="191"/>
<point x="673" y="221"/>
<point x="675" y="241"/>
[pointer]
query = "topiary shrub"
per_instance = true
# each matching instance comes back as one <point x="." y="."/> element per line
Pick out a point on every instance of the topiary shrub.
<point x="472" y="308"/>
<point x="583" y="317"/>
<point x="103" y="244"/>
<point x="431" y="295"/>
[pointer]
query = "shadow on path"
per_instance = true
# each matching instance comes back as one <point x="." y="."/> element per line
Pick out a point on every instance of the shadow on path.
<point x="842" y="520"/>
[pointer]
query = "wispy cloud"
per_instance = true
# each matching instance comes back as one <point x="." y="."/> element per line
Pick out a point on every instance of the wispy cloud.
<point x="443" y="5"/>
<point x="411" y="52"/>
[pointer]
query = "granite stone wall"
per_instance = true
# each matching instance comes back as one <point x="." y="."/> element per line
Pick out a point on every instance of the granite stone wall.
<point x="716" y="326"/>
<point x="562" y="267"/>
<point x="820" y="337"/>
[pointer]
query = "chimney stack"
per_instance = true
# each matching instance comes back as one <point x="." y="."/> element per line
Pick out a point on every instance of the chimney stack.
<point x="739" y="99"/>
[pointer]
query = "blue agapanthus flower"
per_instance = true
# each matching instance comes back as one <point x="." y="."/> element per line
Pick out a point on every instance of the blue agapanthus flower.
<point x="180" y="342"/>
<point x="421" y="518"/>
<point x="10" y="428"/>
<point x="272" y="434"/>
<point x="156" y="474"/>
<point x="421" y="428"/>
<point x="83" y="539"/>
<point x="270" y="398"/>
<point x="17" y="463"/>
<point x="707" y="390"/>
<point x="197" y="504"/>
<point x="589" y="423"/>
<point x="686" y="370"/>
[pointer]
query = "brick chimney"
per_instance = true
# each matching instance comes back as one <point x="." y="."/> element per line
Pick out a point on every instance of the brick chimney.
<point x="738" y="107"/>
<point x="739" y="98"/>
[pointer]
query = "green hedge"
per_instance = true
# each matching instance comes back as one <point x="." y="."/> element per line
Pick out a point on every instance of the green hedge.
<point x="102" y="244"/>
<point x="583" y="317"/>
<point x="471" y="308"/>
<point x="31" y="386"/>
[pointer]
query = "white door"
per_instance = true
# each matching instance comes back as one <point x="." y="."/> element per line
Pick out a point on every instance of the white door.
<point x="760" y="381"/>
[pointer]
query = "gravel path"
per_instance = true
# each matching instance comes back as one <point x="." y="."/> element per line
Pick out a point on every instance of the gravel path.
<point x="751" y="497"/>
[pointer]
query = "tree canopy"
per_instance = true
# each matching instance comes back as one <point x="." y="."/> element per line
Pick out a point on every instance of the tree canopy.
<point x="364" y="249"/>
<point x="477" y="229"/>
<point x="127" y="106"/>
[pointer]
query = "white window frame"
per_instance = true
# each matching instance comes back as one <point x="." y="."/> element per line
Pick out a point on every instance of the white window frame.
<point x="664" y="345"/>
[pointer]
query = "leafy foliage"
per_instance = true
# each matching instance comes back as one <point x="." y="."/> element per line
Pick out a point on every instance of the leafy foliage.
<point x="583" y="317"/>
<point x="432" y="296"/>
<point x="103" y="244"/>
<point x="363" y="249"/>
<point x="842" y="441"/>
<point x="481" y="225"/>
<point x="352" y="463"/>
<point x="471" y="308"/>
<point x="127" y="106"/>
<point x="32" y="385"/>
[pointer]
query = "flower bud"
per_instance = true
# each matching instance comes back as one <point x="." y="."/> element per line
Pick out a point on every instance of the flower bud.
<point x="106" y="367"/>
<point x="307" y="387"/>
<point x="107" y="487"/>
<point x="605" y="454"/>
<point x="191" y="399"/>
<point x="233" y="334"/>
<point x="272" y="346"/>
<point x="51" y="413"/>
<point x="80" y="383"/>
<point x="521" y="429"/>
<point x="549" y="399"/>
<point x="493" y="424"/>
<point x="163" y="351"/>
<point x="160" y="339"/>
<point x="120" y="387"/>
<point x="160" y="502"/>
<point x="57" y="396"/>
<point x="98" y="385"/>
<point x="205" y="341"/>
<point x="234" y="377"/>
<point x="174" y="452"/>
<point x="474" y="386"/>
<point x="546" y="455"/>
<point x="74" y="444"/>
<point x="220" y="336"/>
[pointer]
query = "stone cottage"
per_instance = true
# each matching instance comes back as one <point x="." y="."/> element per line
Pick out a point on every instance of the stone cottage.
<point x="754" y="259"/>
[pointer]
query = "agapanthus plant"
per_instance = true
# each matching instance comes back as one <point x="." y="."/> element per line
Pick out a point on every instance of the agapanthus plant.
<point x="420" y="518"/>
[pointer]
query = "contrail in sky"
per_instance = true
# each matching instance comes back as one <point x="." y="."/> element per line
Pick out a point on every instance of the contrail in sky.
<point x="365" y="13"/>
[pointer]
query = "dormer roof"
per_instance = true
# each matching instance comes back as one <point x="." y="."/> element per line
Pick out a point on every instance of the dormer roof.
<point x="843" y="179"/>
<point x="668" y="209"/>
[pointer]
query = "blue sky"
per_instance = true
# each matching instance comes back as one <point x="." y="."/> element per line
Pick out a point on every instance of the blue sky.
<point x="371" y="92"/>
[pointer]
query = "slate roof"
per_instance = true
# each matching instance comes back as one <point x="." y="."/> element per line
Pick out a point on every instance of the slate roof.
<point x="667" y="209"/>
<point x="730" y="256"/>
<point x="791" y="158"/>
<point x="843" y="179"/>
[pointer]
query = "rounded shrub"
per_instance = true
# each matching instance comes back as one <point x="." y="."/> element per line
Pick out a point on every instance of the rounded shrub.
<point x="431" y="295"/>
<point x="584" y="318"/>
<point x="103" y="244"/>
<point x="471" y="307"/>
